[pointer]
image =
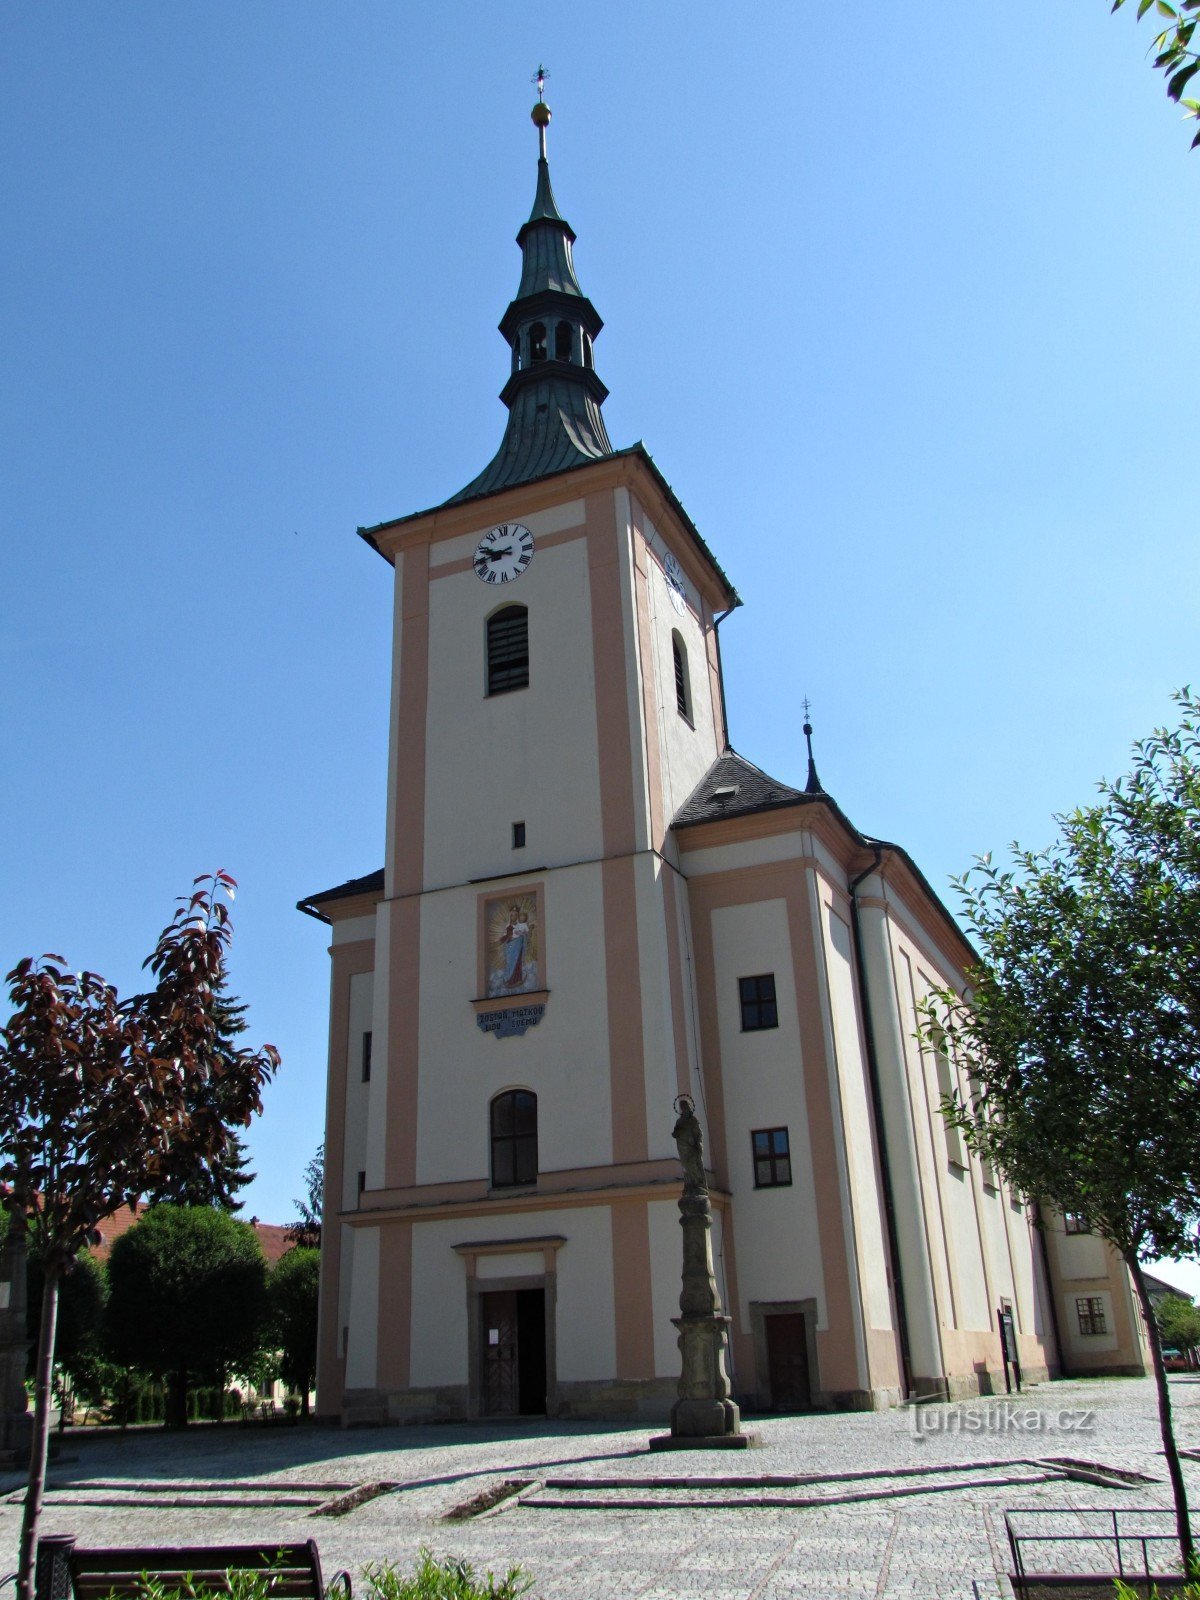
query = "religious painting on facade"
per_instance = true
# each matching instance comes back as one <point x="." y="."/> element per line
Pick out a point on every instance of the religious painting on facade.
<point x="513" y="944"/>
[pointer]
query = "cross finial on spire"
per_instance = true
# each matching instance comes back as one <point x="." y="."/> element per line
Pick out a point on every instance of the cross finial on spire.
<point x="813" y="785"/>
<point x="541" y="111"/>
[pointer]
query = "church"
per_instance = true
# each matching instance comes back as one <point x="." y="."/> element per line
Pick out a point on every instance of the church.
<point x="591" y="905"/>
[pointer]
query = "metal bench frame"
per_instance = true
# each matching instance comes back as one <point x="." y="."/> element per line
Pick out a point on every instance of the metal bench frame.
<point x="68" y="1571"/>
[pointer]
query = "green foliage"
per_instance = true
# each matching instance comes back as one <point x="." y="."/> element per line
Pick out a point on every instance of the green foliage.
<point x="187" y="1297"/>
<point x="292" y="1297"/>
<point x="189" y="1179"/>
<point x="1190" y="1591"/>
<point x="82" y="1297"/>
<point x="238" y="1585"/>
<point x="448" y="1579"/>
<point x="306" y="1230"/>
<point x="1083" y="1030"/>
<point x="1081" y="1038"/>
<point x="1172" y="47"/>
<point x="1178" y="1322"/>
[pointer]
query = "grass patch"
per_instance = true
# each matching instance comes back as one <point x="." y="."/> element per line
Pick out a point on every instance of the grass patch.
<point x="451" y="1578"/>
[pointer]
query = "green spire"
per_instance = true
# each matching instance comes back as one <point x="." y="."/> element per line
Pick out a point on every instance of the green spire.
<point x="553" y="394"/>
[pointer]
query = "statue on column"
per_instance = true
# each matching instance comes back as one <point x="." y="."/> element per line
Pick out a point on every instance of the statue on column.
<point x="705" y="1415"/>
<point x="689" y="1141"/>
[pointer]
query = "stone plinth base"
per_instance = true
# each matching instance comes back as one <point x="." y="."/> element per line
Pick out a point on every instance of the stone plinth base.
<point x="712" y="1441"/>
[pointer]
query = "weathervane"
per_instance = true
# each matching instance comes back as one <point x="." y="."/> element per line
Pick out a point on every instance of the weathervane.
<point x="541" y="111"/>
<point x="813" y="785"/>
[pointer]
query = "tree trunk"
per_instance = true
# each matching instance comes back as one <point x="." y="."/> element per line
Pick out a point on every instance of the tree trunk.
<point x="27" y="1563"/>
<point x="304" y="1397"/>
<point x="1166" y="1428"/>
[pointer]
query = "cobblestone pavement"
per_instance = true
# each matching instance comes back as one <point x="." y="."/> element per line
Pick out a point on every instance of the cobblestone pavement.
<point x="845" y="1505"/>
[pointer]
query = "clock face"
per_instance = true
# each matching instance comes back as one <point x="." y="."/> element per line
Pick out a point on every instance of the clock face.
<point x="503" y="553"/>
<point x="675" y="588"/>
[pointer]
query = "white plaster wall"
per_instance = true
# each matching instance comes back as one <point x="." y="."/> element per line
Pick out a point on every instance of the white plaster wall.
<point x="586" y="1327"/>
<point x="517" y="1264"/>
<point x="530" y="755"/>
<point x="394" y="752"/>
<point x="351" y="929"/>
<point x="360" y="1011"/>
<point x="376" y="1137"/>
<point x="632" y="664"/>
<point x="857" y="1121"/>
<point x="1025" y="1271"/>
<point x="363" y="1319"/>
<point x="345" y="1281"/>
<point x="1084" y="1344"/>
<point x="564" y="1059"/>
<point x="974" y="1309"/>
<point x="939" y="1185"/>
<point x="686" y="753"/>
<point x="992" y="1207"/>
<point x="1081" y="1255"/>
<point x="666" y="1266"/>
<point x="778" y="1247"/>
<point x="438" y="1349"/>
<point x="658" y="1038"/>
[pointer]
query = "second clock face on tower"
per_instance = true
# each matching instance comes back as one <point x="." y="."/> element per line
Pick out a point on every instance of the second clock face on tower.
<point x="503" y="553"/>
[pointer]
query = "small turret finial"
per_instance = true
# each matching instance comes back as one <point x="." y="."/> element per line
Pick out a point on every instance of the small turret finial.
<point x="541" y="112"/>
<point x="813" y="785"/>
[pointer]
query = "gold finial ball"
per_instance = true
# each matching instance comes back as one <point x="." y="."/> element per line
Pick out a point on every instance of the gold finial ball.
<point x="541" y="114"/>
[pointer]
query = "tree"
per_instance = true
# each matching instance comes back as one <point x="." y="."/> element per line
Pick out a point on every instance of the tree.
<point x="1173" y="53"/>
<point x="192" y="1181"/>
<point x="95" y="1095"/>
<point x="1082" y="1032"/>
<point x="1178" y="1322"/>
<point x="292" y="1295"/>
<point x="306" y="1230"/>
<point x="187" y="1298"/>
<point x="82" y="1296"/>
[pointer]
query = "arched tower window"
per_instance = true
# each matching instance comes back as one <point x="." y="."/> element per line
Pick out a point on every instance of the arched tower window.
<point x="507" y="649"/>
<point x="683" y="687"/>
<point x="587" y="350"/>
<point x="562" y="342"/>
<point x="516" y="361"/>
<point x="514" y="1138"/>
<point x="537" y="342"/>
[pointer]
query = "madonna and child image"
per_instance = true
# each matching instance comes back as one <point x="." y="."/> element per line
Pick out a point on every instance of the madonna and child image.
<point x="512" y="945"/>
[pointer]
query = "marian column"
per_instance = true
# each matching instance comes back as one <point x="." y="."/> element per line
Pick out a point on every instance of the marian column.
<point x="704" y="1416"/>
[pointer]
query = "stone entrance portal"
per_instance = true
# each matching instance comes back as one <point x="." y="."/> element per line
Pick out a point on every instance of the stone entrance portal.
<point x="787" y="1362"/>
<point x="513" y="1351"/>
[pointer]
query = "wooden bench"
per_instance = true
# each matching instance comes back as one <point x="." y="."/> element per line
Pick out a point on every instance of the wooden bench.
<point x="65" y="1568"/>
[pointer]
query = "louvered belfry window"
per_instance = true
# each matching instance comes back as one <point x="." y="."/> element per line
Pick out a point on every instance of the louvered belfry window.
<point x="683" y="689"/>
<point x="508" y="650"/>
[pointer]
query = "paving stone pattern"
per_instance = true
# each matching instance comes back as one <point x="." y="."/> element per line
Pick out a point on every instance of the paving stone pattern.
<point x="844" y="1505"/>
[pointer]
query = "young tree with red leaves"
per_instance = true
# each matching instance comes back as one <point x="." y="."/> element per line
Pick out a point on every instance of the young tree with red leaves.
<point x="98" y="1101"/>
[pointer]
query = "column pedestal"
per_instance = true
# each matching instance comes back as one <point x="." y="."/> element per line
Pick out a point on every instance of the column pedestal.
<point x="704" y="1417"/>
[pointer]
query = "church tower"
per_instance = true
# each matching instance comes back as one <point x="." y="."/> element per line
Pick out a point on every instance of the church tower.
<point x="590" y="905"/>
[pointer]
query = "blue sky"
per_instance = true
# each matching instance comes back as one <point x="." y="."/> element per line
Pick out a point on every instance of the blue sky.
<point x="902" y="314"/>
